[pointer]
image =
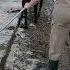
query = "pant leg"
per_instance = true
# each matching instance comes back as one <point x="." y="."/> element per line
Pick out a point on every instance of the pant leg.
<point x="59" y="32"/>
<point x="35" y="13"/>
<point x="24" y="12"/>
<point x="20" y="18"/>
<point x="58" y="37"/>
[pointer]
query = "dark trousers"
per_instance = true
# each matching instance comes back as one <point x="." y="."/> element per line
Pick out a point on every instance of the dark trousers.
<point x="25" y="13"/>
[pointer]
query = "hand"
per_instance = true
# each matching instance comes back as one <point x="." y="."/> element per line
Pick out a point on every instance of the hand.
<point x="27" y="5"/>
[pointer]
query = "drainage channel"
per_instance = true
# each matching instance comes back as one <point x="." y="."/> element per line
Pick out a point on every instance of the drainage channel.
<point x="3" y="61"/>
<point x="10" y="42"/>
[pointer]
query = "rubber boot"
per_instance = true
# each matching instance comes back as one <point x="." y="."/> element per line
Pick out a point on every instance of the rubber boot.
<point x="35" y="13"/>
<point x="53" y="65"/>
<point x="25" y="18"/>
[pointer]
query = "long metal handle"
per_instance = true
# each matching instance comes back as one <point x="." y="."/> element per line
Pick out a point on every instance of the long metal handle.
<point x="13" y="19"/>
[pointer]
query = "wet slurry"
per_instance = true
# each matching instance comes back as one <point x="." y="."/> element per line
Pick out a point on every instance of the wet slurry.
<point x="27" y="49"/>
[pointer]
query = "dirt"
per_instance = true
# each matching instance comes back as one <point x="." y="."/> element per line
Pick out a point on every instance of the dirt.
<point x="39" y="44"/>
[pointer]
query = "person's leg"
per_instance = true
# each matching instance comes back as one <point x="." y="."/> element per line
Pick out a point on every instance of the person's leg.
<point x="35" y="13"/>
<point x="35" y="16"/>
<point x="59" y="35"/>
<point x="23" y="15"/>
<point x="40" y="7"/>
<point x="20" y="18"/>
<point x="58" y="38"/>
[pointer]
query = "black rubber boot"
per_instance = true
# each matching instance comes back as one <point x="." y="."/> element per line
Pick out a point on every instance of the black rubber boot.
<point x="35" y="13"/>
<point x="53" y="65"/>
<point x="23" y="26"/>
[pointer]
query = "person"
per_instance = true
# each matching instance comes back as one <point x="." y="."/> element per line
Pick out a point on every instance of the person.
<point x="45" y="8"/>
<point x="59" y="32"/>
<point x="25" y="25"/>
